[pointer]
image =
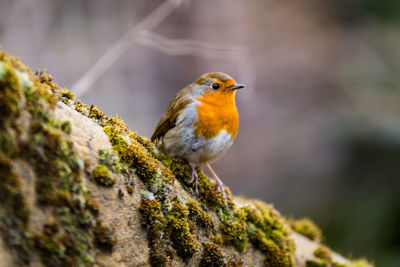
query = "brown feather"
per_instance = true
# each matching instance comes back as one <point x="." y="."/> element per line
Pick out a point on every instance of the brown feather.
<point x="174" y="109"/>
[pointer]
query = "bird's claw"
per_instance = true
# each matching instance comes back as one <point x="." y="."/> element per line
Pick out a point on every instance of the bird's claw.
<point x="195" y="179"/>
<point x="221" y="189"/>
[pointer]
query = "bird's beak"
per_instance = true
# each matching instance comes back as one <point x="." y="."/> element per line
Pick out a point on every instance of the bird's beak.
<point x="237" y="86"/>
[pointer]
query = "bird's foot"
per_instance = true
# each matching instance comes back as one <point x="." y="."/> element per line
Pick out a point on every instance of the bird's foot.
<point x="195" y="179"/>
<point x="221" y="189"/>
<point x="220" y="185"/>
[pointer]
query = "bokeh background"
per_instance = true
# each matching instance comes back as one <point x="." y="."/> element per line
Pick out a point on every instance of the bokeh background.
<point x="320" y="128"/>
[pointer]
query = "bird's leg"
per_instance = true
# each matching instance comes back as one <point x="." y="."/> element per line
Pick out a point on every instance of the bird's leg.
<point x="220" y="185"/>
<point x="195" y="178"/>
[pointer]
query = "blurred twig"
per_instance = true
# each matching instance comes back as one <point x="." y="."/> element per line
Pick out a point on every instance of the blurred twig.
<point x="122" y="45"/>
<point x="178" y="47"/>
<point x="142" y="34"/>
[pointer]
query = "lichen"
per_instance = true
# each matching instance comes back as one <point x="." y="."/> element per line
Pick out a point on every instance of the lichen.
<point x="307" y="228"/>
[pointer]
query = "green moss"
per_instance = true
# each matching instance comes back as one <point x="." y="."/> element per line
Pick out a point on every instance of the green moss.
<point x="178" y="209"/>
<point x="208" y="192"/>
<point x="104" y="236"/>
<point x="82" y="108"/>
<point x="154" y="221"/>
<point x="95" y="113"/>
<point x="13" y="61"/>
<point x="267" y="231"/>
<point x="61" y="198"/>
<point x="66" y="126"/>
<point x="130" y="189"/>
<point x="8" y="140"/>
<point x="361" y="263"/>
<point x="170" y="226"/>
<point x="207" y="189"/>
<point x="274" y="255"/>
<point x="200" y="217"/>
<point x="316" y="263"/>
<point x="183" y="241"/>
<point x="137" y="156"/>
<point x="217" y="240"/>
<point x="233" y="230"/>
<point x="236" y="262"/>
<point x="10" y="104"/>
<point x="67" y="94"/>
<point x="52" y="252"/>
<point x="103" y="176"/>
<point x="322" y="252"/>
<point x="323" y="258"/>
<point x="14" y="210"/>
<point x="10" y="193"/>
<point x="212" y="256"/>
<point x="51" y="228"/>
<point x="10" y="93"/>
<point x="68" y="239"/>
<point x="110" y="159"/>
<point x="307" y="228"/>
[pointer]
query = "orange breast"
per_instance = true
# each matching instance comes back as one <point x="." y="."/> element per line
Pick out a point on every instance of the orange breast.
<point x="217" y="112"/>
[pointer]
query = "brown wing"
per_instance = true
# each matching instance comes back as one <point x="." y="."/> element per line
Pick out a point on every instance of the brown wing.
<point x="167" y="122"/>
<point x="163" y="127"/>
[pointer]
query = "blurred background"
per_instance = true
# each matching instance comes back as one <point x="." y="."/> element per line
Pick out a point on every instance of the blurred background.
<point x="320" y="129"/>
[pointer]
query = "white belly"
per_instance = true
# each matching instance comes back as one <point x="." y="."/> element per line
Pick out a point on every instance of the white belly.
<point x="181" y="141"/>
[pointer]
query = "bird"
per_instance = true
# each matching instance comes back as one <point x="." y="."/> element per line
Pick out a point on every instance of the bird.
<point x="200" y="124"/>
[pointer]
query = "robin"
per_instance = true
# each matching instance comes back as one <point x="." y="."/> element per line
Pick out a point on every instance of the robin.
<point x="200" y="123"/>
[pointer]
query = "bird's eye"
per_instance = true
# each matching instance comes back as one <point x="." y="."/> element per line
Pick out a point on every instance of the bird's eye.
<point x="215" y="86"/>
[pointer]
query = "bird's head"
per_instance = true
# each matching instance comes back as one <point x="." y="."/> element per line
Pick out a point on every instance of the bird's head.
<point x="216" y="83"/>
